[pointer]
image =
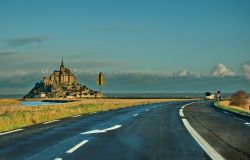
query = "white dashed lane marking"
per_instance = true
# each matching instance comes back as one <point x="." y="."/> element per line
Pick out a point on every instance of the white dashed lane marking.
<point x="247" y="123"/>
<point x="77" y="146"/>
<point x="147" y="110"/>
<point x="135" y="115"/>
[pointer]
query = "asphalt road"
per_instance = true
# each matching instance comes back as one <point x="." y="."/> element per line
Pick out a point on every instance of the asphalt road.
<point x="226" y="132"/>
<point x="145" y="132"/>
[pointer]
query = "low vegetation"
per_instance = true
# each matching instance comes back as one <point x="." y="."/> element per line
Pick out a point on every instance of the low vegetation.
<point x="9" y="102"/>
<point x="239" y="103"/>
<point x="13" y="116"/>
<point x="239" y="98"/>
<point x="225" y="105"/>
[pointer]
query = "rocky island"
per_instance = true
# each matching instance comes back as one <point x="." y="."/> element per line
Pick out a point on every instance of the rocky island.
<point x="61" y="83"/>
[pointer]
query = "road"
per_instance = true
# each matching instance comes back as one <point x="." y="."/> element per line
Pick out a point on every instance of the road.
<point x="145" y="132"/>
<point x="152" y="131"/>
<point x="228" y="133"/>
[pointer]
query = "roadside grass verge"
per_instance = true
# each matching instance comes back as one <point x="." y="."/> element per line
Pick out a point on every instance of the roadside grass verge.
<point x="14" y="117"/>
<point x="9" y="101"/>
<point x="232" y="109"/>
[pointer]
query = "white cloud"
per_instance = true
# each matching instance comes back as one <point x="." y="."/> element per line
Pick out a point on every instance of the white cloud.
<point x="246" y="69"/>
<point x="182" y="73"/>
<point x="221" y="70"/>
<point x="167" y="74"/>
<point x="186" y="73"/>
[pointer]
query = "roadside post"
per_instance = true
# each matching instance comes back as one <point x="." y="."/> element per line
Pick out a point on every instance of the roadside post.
<point x="218" y="96"/>
<point x="101" y="81"/>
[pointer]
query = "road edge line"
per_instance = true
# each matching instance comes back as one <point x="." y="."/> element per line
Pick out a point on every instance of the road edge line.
<point x="4" y="133"/>
<point x="212" y="153"/>
<point x="56" y="120"/>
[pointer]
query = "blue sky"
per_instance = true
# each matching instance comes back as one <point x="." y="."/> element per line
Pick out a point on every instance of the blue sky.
<point x="179" y="42"/>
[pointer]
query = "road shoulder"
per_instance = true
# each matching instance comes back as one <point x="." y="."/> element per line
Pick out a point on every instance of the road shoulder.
<point x="227" y="135"/>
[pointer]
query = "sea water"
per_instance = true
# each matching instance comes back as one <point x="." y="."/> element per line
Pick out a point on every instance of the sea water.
<point x="38" y="103"/>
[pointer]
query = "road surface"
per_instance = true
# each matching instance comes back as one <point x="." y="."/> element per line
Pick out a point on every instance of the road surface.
<point x="153" y="131"/>
<point x="228" y="133"/>
<point x="145" y="132"/>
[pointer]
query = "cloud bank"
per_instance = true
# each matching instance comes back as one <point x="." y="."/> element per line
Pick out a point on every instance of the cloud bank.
<point x="222" y="71"/>
<point x="222" y="78"/>
<point x="186" y="73"/>
<point x="246" y="70"/>
<point x="133" y="82"/>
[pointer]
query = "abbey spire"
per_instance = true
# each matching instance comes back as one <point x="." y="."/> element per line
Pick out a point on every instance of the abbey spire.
<point x="62" y="69"/>
<point x="62" y="63"/>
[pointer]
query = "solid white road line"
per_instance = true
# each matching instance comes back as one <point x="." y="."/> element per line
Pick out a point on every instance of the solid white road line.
<point x="181" y="112"/>
<point x="4" y="133"/>
<point x="204" y="145"/>
<point x="135" y="115"/>
<point x="50" y="121"/>
<point x="77" y="116"/>
<point x="77" y="146"/>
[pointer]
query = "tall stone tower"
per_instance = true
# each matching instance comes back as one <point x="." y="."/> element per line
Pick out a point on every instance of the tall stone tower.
<point x="62" y="69"/>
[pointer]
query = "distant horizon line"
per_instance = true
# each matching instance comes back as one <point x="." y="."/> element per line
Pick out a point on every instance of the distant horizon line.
<point x="140" y="93"/>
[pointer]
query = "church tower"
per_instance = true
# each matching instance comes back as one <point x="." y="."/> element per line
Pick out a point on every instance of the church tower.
<point x="62" y="69"/>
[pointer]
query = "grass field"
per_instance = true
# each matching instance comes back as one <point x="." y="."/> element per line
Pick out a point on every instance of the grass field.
<point x="244" y="110"/>
<point x="9" y="102"/>
<point x="13" y="116"/>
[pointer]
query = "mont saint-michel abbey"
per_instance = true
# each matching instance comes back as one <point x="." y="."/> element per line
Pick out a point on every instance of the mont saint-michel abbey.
<point x="61" y="83"/>
<point x="63" y="77"/>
